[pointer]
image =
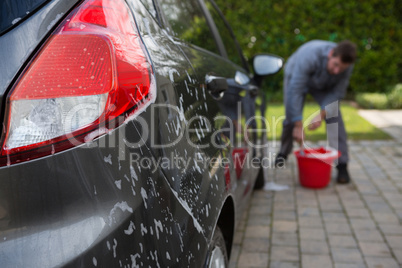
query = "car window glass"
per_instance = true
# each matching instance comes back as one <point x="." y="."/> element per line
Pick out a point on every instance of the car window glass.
<point x="12" y="11"/>
<point x="224" y="32"/>
<point x="189" y="23"/>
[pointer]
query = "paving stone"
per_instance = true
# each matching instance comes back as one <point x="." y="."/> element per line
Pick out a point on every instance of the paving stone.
<point x="285" y="226"/>
<point x="396" y="204"/>
<point x="367" y="189"/>
<point x="311" y="222"/>
<point x="362" y="224"/>
<point x="372" y="249"/>
<point x="284" y="239"/>
<point x="327" y="193"/>
<point x="394" y="241"/>
<point x="368" y="235"/>
<point x="242" y="225"/>
<point x="399" y="185"/>
<point x="353" y="203"/>
<point x="347" y="255"/>
<point x="333" y="207"/>
<point x="306" y="197"/>
<point x="395" y="177"/>
<point x="244" y="216"/>
<point x="259" y="245"/>
<point x="257" y="232"/>
<point x="386" y="186"/>
<point x="337" y="228"/>
<point x="394" y="195"/>
<point x="316" y="261"/>
<point x="283" y="196"/>
<point x="264" y="210"/>
<point x="308" y="212"/>
<point x="385" y="217"/>
<point x="261" y="198"/>
<point x="312" y="234"/>
<point x="357" y="213"/>
<point x="248" y="259"/>
<point x="281" y="253"/>
<point x="233" y="264"/>
<point x="284" y="206"/>
<point x="258" y="220"/>
<point x="349" y="265"/>
<point x="339" y="221"/>
<point x="398" y="208"/>
<point x="234" y="255"/>
<point x="398" y="256"/>
<point x="314" y="247"/>
<point x="379" y="207"/>
<point x="348" y="192"/>
<point x="375" y="262"/>
<point x="306" y="201"/>
<point x="334" y="216"/>
<point x="391" y="229"/>
<point x="327" y="196"/>
<point x="238" y="237"/>
<point x="341" y="241"/>
<point x="282" y="264"/>
<point x="285" y="215"/>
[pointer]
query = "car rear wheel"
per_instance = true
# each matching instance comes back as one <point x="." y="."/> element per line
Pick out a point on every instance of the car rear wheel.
<point x="218" y="257"/>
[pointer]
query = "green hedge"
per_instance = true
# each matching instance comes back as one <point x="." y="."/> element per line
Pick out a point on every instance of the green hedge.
<point x="372" y="100"/>
<point x="280" y="27"/>
<point x="392" y="100"/>
<point x="395" y="97"/>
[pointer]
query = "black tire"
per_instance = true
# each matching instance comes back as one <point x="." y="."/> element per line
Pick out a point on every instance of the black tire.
<point x="218" y="257"/>
<point x="260" y="181"/>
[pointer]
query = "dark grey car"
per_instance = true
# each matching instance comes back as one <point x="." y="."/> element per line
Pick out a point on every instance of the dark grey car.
<point x="118" y="142"/>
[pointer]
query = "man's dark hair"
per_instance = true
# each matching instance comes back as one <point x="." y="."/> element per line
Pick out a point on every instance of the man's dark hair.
<point x="346" y="50"/>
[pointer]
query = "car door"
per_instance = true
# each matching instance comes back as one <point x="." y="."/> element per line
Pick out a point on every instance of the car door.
<point x="182" y="131"/>
<point x="192" y="26"/>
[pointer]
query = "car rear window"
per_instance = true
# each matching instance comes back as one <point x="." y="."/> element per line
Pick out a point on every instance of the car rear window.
<point x="12" y="11"/>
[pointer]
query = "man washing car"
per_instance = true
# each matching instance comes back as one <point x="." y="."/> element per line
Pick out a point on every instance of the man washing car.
<point x="322" y="69"/>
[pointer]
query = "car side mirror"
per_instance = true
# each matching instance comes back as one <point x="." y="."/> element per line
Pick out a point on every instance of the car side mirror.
<point x="266" y="64"/>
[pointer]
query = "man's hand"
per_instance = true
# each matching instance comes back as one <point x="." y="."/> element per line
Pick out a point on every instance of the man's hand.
<point x="315" y="123"/>
<point x="317" y="120"/>
<point x="298" y="132"/>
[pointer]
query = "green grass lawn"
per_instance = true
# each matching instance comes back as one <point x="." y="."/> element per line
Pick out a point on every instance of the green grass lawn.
<point x="357" y="127"/>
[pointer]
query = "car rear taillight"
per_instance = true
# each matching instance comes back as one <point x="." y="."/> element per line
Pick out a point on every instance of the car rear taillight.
<point x="87" y="79"/>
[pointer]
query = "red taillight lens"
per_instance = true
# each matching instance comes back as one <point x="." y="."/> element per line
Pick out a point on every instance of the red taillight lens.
<point x="92" y="71"/>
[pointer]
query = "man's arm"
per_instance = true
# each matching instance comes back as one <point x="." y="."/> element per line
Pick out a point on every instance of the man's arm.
<point x="303" y="66"/>
<point x="296" y="91"/>
<point x="298" y="132"/>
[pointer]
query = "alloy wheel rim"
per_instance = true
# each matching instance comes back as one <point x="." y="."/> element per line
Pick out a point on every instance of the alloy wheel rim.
<point x="217" y="259"/>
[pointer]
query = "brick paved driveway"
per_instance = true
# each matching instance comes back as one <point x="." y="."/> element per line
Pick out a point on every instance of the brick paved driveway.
<point x="355" y="225"/>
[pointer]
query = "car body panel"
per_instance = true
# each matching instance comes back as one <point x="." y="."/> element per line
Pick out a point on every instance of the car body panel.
<point x="100" y="204"/>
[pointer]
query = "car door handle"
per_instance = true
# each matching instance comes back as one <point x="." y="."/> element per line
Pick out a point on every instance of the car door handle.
<point x="216" y="85"/>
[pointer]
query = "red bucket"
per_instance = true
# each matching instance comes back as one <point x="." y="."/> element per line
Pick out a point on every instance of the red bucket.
<point x="315" y="166"/>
